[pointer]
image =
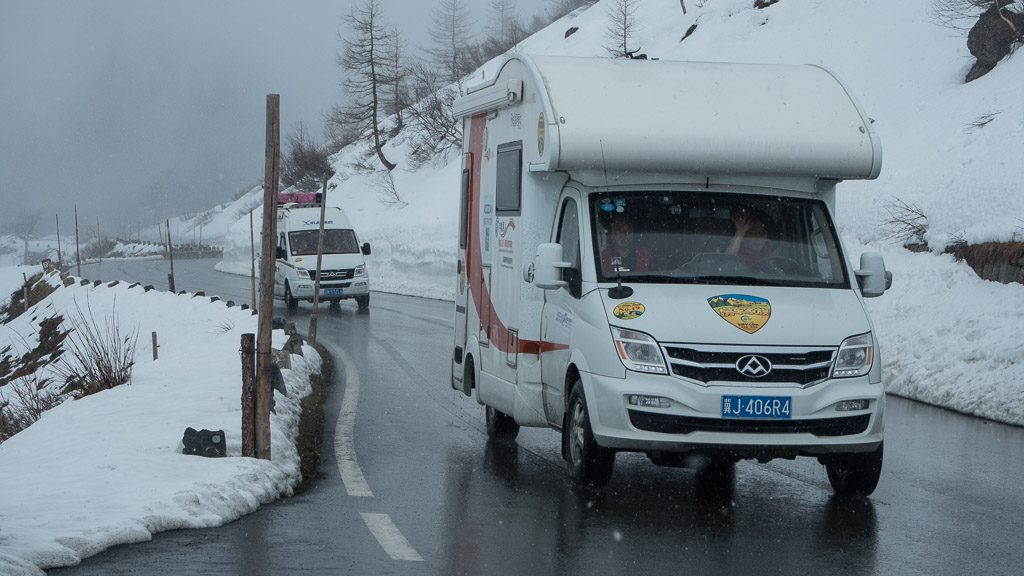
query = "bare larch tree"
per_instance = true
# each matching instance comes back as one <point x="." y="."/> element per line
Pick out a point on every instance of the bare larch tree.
<point x="450" y="39"/>
<point x="365" y="60"/>
<point x="621" y="28"/>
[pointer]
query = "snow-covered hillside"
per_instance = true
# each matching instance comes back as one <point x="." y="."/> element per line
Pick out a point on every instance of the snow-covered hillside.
<point x="948" y="149"/>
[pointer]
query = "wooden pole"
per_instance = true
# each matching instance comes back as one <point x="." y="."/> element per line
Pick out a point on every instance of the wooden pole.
<point x="78" y="251"/>
<point x="319" y="260"/>
<point x="248" y="353"/>
<point x="155" y="347"/>
<point x="252" y="260"/>
<point x="24" y="289"/>
<point x="59" y="259"/>
<point x="266" y="308"/>
<point x="170" y="254"/>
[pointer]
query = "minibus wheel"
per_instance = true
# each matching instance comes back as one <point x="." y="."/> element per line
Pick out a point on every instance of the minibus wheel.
<point x="363" y="302"/>
<point x="290" y="301"/>
<point x="589" y="464"/>
<point x="854" y="474"/>
<point x="500" y="426"/>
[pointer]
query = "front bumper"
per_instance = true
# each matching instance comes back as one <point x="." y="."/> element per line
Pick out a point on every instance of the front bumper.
<point x="693" y="421"/>
<point x="358" y="286"/>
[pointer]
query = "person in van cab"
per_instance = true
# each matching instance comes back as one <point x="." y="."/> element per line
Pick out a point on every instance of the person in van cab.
<point x="623" y="251"/>
<point x="750" y="240"/>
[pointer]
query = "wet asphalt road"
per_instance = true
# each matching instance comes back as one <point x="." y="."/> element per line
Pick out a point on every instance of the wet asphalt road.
<point x="949" y="501"/>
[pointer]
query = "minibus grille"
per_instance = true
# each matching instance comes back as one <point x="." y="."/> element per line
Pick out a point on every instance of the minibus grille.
<point x="332" y="275"/>
<point x="671" y="424"/>
<point x="708" y="364"/>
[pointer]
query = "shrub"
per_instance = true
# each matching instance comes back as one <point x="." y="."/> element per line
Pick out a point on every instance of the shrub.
<point x="96" y="357"/>
<point x="25" y="401"/>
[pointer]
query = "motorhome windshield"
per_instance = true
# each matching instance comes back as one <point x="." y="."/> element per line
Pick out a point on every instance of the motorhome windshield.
<point x="336" y="241"/>
<point x="714" y="238"/>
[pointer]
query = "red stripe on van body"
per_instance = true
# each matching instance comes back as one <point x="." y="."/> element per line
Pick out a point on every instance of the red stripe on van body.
<point x="497" y="332"/>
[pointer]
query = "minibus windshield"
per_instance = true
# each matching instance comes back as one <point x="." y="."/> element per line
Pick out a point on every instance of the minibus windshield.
<point x="715" y="238"/>
<point x="336" y="241"/>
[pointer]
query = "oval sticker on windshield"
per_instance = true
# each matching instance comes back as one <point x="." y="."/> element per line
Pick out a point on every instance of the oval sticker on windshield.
<point x="748" y="313"/>
<point x="629" y="310"/>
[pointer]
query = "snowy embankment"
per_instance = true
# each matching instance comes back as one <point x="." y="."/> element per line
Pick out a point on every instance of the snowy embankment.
<point x="108" y="469"/>
<point x="946" y="336"/>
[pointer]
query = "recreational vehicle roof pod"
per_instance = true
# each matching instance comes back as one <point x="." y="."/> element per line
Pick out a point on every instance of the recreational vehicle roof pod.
<point x="647" y="262"/>
<point x="695" y="117"/>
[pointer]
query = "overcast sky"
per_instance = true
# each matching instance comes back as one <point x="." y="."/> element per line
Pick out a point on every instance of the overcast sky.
<point x="104" y="101"/>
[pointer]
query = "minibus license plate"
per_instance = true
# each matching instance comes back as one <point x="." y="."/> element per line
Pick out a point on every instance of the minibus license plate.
<point x="332" y="291"/>
<point x="765" y="407"/>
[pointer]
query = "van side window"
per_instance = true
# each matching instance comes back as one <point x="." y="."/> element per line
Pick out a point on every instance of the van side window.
<point x="569" y="238"/>
<point x="509" y="185"/>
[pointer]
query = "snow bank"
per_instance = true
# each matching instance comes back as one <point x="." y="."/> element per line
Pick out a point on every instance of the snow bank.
<point x="108" y="469"/>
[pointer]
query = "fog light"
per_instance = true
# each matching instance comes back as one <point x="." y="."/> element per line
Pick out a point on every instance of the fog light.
<point x="850" y="405"/>
<point x="649" y="401"/>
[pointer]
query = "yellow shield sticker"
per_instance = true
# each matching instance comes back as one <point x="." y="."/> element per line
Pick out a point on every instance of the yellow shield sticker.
<point x="748" y="313"/>
<point x="629" y="310"/>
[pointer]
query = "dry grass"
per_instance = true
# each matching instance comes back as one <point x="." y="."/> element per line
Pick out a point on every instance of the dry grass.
<point x="97" y="356"/>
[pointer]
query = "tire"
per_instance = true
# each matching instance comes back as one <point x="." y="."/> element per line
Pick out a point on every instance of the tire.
<point x="363" y="302"/>
<point x="854" y="474"/>
<point x="589" y="464"/>
<point x="290" y="301"/>
<point x="500" y="426"/>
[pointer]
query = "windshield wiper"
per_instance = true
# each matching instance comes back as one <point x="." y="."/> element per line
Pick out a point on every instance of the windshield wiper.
<point x="726" y="279"/>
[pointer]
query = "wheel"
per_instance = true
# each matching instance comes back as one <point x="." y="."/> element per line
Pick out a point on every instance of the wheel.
<point x="500" y="426"/>
<point x="363" y="302"/>
<point x="290" y="301"/>
<point x="589" y="464"/>
<point x="854" y="474"/>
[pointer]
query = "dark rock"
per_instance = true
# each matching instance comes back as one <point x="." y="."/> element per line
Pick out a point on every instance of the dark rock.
<point x="208" y="443"/>
<point x="992" y="37"/>
<point x="572" y="31"/>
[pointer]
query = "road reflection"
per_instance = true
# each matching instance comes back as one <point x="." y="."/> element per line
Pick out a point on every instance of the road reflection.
<point x="507" y="512"/>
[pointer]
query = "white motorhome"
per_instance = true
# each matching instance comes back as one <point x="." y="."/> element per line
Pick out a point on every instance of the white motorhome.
<point x="342" y="270"/>
<point x="648" y="262"/>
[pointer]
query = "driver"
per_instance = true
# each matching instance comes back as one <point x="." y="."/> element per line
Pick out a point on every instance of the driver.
<point x="750" y="240"/>
<point x="623" y="252"/>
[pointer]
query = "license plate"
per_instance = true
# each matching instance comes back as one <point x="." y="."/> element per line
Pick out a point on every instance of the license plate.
<point x="332" y="291"/>
<point x="765" y="407"/>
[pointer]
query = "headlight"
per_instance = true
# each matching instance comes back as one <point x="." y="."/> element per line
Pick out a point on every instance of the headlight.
<point x="360" y="270"/>
<point x="303" y="273"/>
<point x="638" y="351"/>
<point x="855" y="356"/>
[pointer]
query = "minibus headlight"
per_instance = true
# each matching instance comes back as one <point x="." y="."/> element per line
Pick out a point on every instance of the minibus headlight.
<point x="360" y="270"/>
<point x="303" y="273"/>
<point x="638" y="351"/>
<point x="855" y="357"/>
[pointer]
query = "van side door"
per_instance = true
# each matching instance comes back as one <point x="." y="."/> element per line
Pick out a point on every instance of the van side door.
<point x="560" y="310"/>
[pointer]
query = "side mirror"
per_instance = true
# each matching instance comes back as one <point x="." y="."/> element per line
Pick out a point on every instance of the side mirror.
<point x="872" y="277"/>
<point x="366" y="249"/>
<point x="281" y="254"/>
<point x="547" y="267"/>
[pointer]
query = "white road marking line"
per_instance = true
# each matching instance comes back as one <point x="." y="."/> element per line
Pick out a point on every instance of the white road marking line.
<point x="344" y="434"/>
<point x="389" y="537"/>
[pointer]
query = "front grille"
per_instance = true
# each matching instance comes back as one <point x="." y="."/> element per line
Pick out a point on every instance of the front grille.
<point x="332" y="275"/>
<point x="669" y="424"/>
<point x="718" y="364"/>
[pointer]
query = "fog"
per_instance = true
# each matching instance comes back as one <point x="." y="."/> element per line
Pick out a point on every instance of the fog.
<point x="139" y="110"/>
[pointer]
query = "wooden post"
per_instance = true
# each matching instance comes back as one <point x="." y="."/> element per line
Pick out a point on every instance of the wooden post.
<point x="248" y="353"/>
<point x="252" y="261"/>
<point x="170" y="254"/>
<point x="155" y="347"/>
<point x="24" y="290"/>
<point x="319" y="260"/>
<point x="60" y="260"/>
<point x="78" y="251"/>
<point x="266" y="308"/>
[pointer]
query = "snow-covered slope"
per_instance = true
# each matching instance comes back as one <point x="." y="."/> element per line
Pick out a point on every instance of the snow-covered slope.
<point x="949" y="149"/>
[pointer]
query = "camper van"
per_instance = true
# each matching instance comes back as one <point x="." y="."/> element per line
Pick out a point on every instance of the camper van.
<point x="342" y="270"/>
<point x="648" y="261"/>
